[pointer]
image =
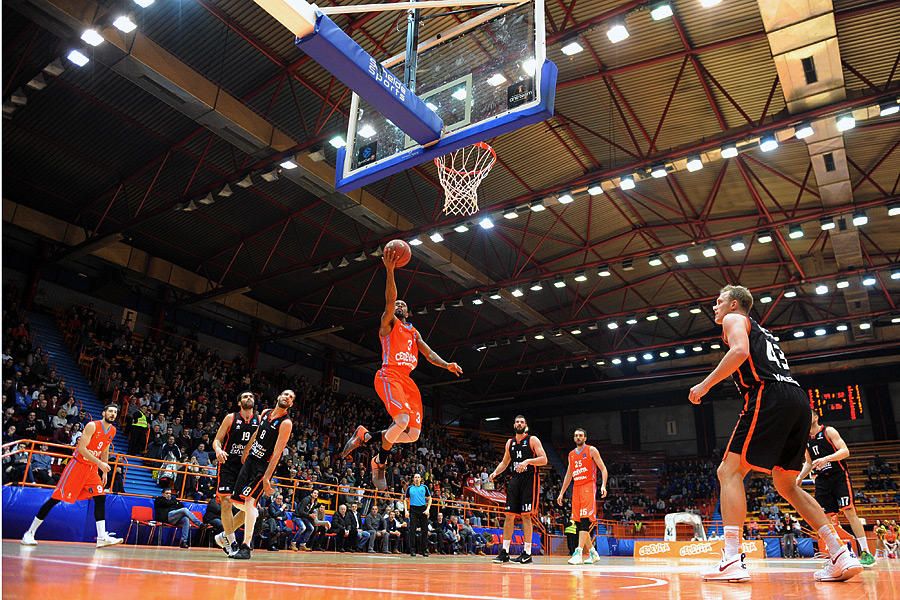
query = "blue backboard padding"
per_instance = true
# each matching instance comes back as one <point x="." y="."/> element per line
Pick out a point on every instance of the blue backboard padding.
<point x="338" y="54"/>
<point x="486" y="130"/>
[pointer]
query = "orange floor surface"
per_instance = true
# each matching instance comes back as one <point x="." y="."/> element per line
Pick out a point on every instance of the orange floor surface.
<point x="68" y="571"/>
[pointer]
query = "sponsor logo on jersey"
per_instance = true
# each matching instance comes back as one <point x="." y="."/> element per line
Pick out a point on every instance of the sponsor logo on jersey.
<point x="406" y="359"/>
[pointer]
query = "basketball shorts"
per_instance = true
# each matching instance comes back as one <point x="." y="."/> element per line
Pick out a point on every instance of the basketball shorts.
<point x="248" y="483"/>
<point x="521" y="492"/>
<point x="79" y="481"/>
<point x="227" y="475"/>
<point x="772" y="429"/>
<point x="834" y="492"/>
<point x="584" y="502"/>
<point x="400" y="395"/>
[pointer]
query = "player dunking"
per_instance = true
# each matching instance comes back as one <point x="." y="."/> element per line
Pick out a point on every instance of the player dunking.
<point x="826" y="452"/>
<point x="79" y="480"/>
<point x="400" y="346"/>
<point x="232" y="437"/>
<point x="260" y="457"/>
<point x="770" y="436"/>
<point x="584" y="461"/>
<point x="526" y="453"/>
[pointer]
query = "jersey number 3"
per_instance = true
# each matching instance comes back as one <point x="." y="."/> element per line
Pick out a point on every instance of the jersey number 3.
<point x="774" y="354"/>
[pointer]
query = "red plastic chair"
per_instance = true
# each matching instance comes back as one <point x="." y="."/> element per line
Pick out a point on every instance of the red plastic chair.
<point x="141" y="515"/>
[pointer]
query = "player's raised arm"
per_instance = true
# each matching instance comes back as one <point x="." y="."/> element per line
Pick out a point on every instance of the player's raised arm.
<point x="284" y="434"/>
<point x="734" y="327"/>
<point x="220" y="438"/>
<point x="503" y="463"/>
<point x="604" y="474"/>
<point x="389" y="258"/>
<point x="565" y="484"/>
<point x="432" y="357"/>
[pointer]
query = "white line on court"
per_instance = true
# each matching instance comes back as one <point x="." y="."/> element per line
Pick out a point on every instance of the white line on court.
<point x="379" y="591"/>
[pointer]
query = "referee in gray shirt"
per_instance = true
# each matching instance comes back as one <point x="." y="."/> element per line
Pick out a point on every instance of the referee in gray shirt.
<point x="418" y="503"/>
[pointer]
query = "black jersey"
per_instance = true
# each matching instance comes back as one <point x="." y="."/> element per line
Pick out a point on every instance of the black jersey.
<point x="520" y="452"/>
<point x="766" y="362"/>
<point x="239" y="434"/>
<point x="266" y="435"/>
<point x="819" y="445"/>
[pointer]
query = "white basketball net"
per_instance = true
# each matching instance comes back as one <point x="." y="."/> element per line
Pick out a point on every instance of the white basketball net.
<point x="460" y="173"/>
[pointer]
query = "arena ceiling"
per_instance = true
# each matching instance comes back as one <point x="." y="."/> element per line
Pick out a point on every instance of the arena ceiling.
<point x="103" y="149"/>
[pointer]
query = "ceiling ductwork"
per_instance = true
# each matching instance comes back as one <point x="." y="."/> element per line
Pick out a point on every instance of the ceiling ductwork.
<point x="804" y="43"/>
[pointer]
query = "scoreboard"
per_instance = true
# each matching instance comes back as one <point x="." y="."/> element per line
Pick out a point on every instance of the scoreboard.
<point x="834" y="403"/>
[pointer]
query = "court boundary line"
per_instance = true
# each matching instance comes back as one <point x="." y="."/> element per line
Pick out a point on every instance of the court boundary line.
<point x="654" y="582"/>
<point x="295" y="584"/>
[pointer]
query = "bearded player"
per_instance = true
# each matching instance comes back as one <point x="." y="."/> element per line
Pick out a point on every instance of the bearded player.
<point x="770" y="436"/>
<point x="232" y="437"/>
<point x="260" y="457"/>
<point x="526" y="453"/>
<point x="80" y="481"/>
<point x="584" y="461"/>
<point x="826" y="452"/>
<point x="400" y="346"/>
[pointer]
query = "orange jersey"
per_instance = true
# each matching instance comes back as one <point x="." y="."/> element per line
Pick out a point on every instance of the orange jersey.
<point x="399" y="349"/>
<point x="584" y="471"/>
<point x="100" y="441"/>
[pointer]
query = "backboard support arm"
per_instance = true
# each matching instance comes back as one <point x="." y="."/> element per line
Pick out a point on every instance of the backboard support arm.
<point x="412" y="44"/>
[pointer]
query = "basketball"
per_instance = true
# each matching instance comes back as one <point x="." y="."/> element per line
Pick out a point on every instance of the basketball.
<point x="404" y="252"/>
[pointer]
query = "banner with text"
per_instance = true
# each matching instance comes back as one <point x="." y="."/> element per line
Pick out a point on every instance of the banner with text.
<point x="712" y="549"/>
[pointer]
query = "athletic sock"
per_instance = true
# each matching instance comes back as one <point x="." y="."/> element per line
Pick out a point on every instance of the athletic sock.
<point x="732" y="540"/>
<point x="34" y="525"/>
<point x="231" y="539"/>
<point x="832" y="541"/>
<point x="506" y="545"/>
<point x="373" y="437"/>
<point x="527" y="547"/>
<point x="101" y="529"/>
<point x="863" y="544"/>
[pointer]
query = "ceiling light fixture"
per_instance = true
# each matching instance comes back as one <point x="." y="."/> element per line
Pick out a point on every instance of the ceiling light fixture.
<point x="617" y="32"/>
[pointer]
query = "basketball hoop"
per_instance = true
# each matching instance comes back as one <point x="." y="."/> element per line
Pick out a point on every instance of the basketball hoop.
<point x="460" y="174"/>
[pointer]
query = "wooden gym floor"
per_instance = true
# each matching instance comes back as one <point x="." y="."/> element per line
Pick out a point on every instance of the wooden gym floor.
<point x="70" y="571"/>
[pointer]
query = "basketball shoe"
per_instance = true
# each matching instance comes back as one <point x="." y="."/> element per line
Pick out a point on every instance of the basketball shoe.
<point x="28" y="539"/>
<point x="866" y="560"/>
<point x="576" y="557"/>
<point x="842" y="567"/>
<point x="730" y="568"/>
<point x="356" y="440"/>
<point x="108" y="540"/>
<point x="592" y="557"/>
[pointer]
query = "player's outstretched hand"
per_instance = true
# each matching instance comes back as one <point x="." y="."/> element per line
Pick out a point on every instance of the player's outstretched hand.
<point x="492" y="476"/>
<point x="389" y="258"/>
<point x="221" y="455"/>
<point x="559" y="499"/>
<point x="268" y="490"/>
<point x="455" y="369"/>
<point x="603" y="491"/>
<point x="104" y="467"/>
